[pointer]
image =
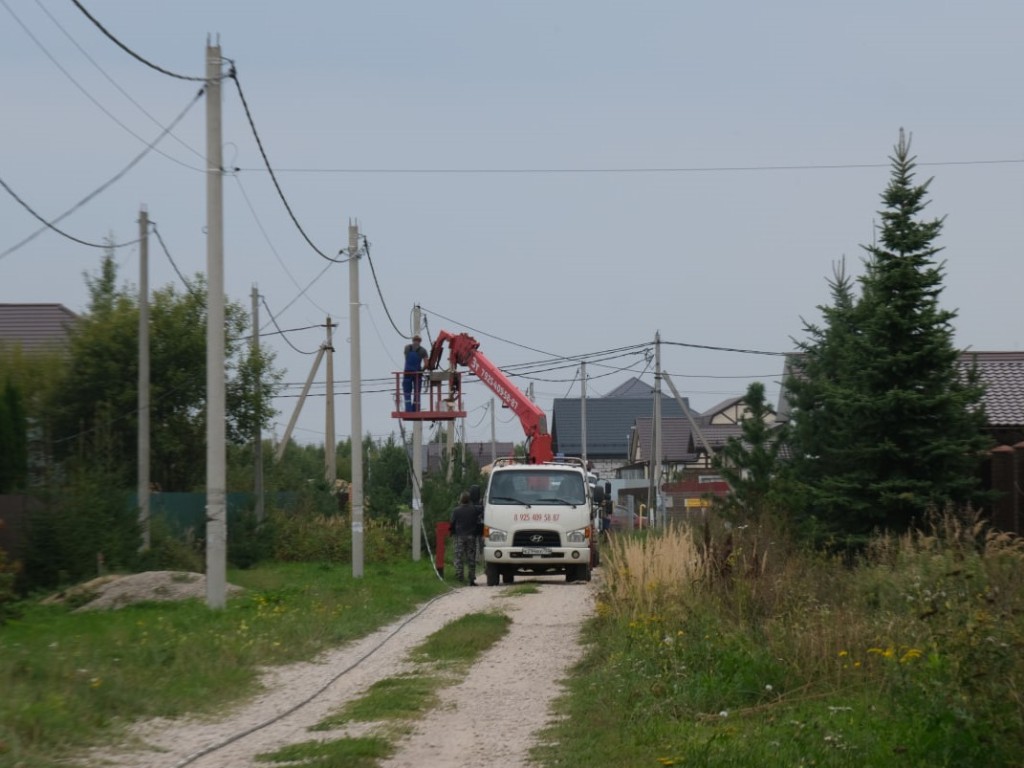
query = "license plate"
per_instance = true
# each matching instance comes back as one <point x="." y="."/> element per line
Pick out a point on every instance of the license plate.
<point x="536" y="550"/>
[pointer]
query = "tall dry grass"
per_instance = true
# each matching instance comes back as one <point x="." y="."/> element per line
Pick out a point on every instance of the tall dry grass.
<point x="644" y="573"/>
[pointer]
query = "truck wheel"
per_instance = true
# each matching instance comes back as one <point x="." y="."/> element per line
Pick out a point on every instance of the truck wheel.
<point x="585" y="573"/>
<point x="492" y="574"/>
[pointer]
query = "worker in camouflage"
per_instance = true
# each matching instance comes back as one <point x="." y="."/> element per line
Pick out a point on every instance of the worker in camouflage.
<point x="463" y="527"/>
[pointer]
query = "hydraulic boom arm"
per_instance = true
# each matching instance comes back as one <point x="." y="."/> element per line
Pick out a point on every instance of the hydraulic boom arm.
<point x="464" y="350"/>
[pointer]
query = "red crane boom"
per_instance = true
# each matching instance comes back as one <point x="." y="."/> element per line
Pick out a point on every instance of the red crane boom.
<point x="464" y="350"/>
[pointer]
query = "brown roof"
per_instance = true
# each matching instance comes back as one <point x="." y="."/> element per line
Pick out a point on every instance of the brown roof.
<point x="35" y="327"/>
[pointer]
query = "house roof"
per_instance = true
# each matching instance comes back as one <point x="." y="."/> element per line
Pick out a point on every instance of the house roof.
<point x="676" y="439"/>
<point x="632" y="387"/>
<point x="35" y="327"/>
<point x="609" y="421"/>
<point x="1002" y="373"/>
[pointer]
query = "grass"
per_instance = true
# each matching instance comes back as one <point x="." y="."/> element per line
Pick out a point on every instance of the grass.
<point x="71" y="680"/>
<point x="772" y="656"/>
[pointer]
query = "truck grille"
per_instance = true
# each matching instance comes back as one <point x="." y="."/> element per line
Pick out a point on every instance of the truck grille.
<point x="529" y="539"/>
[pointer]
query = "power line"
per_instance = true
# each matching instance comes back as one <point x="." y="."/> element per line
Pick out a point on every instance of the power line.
<point x="120" y="174"/>
<point x="81" y="88"/>
<point x="283" y="335"/>
<point x="270" y="244"/>
<point x="61" y="232"/>
<point x="233" y="74"/>
<point x="113" y="82"/>
<point x="167" y="253"/>
<point x="366" y="245"/>
<point x="634" y="170"/>
<point x="129" y="51"/>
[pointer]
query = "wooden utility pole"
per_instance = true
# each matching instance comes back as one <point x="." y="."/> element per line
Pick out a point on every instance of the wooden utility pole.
<point x="144" y="429"/>
<point x="216" y="452"/>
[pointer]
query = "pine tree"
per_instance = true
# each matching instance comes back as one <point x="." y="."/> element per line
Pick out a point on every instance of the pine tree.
<point x="887" y="426"/>
<point x="750" y="464"/>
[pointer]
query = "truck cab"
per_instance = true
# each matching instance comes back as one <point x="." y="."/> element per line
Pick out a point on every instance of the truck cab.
<point x="540" y="518"/>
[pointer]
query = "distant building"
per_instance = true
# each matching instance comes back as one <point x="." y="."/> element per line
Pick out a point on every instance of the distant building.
<point x="36" y="327"/>
<point x="610" y="421"/>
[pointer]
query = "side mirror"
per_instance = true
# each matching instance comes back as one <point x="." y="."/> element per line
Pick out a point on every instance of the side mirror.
<point x="474" y="494"/>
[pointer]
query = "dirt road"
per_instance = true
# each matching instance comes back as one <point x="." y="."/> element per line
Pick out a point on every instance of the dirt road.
<point x="515" y="681"/>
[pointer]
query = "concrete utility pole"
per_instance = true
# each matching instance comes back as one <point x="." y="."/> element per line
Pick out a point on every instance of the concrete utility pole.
<point x="330" y="444"/>
<point x="257" y="437"/>
<point x="417" y="461"/>
<point x="298" y="406"/>
<point x="143" y="436"/>
<point x="357" y="402"/>
<point x="216" y="455"/>
<point x="494" y="435"/>
<point x="655" y="500"/>
<point x="583" y="411"/>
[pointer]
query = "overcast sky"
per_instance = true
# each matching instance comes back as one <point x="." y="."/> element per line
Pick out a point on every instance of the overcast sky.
<point x="557" y="178"/>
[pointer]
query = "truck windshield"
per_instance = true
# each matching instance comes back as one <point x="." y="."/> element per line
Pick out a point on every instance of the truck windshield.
<point x="536" y="487"/>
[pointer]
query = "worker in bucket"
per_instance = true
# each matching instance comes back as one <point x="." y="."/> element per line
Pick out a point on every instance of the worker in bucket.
<point x="463" y="531"/>
<point x="415" y="354"/>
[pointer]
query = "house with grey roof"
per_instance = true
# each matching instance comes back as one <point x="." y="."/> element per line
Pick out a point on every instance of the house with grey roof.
<point x="686" y="447"/>
<point x="35" y="327"/>
<point x="610" y="421"/>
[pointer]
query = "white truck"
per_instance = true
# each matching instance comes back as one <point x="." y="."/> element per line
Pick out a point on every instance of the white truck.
<point x="540" y="511"/>
<point x="540" y="518"/>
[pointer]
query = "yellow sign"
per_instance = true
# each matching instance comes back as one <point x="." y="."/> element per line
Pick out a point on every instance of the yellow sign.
<point x="689" y="503"/>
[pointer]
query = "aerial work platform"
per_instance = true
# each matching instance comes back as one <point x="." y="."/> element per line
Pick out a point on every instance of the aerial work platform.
<point x="436" y="396"/>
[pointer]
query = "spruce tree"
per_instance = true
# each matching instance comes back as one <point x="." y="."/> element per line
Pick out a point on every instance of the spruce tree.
<point x="750" y="464"/>
<point x="887" y="425"/>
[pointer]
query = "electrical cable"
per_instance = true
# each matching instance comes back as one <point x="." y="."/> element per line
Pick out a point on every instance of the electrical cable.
<point x="366" y="246"/>
<point x="273" y="250"/>
<point x="188" y="285"/>
<point x="283" y="335"/>
<point x="86" y="93"/>
<point x="317" y="692"/>
<point x="303" y="291"/>
<point x="61" y="232"/>
<point x="233" y="74"/>
<point x="150" y="146"/>
<point x="635" y="170"/>
<point x="132" y="53"/>
<point x="124" y="93"/>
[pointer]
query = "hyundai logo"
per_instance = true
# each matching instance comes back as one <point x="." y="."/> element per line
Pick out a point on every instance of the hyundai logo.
<point x="536" y="538"/>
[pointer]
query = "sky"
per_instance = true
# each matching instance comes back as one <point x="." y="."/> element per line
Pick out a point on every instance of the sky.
<point x="562" y="180"/>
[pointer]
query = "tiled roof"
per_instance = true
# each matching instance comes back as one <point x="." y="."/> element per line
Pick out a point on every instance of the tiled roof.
<point x="1002" y="373"/>
<point x="633" y="387"/>
<point x="609" y="421"/>
<point x="676" y="439"/>
<point x="35" y="327"/>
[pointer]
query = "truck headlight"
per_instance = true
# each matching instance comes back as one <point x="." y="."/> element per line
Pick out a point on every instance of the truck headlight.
<point x="578" y="536"/>
<point x="497" y="536"/>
